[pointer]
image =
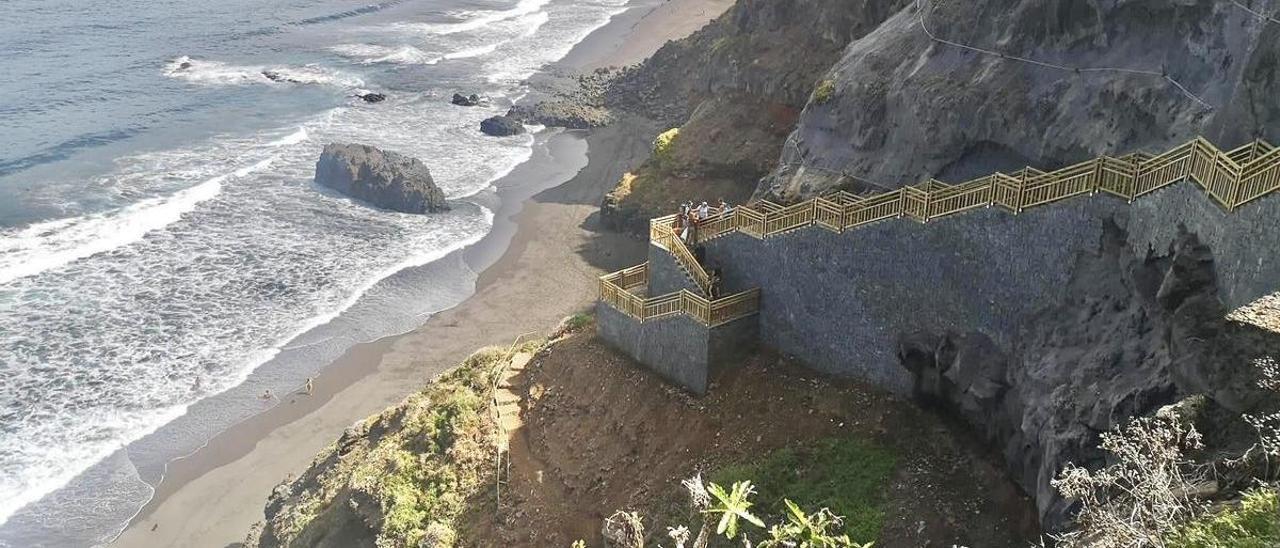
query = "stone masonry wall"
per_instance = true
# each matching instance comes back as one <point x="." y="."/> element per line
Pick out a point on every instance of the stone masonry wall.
<point x="674" y="347"/>
<point x="665" y="274"/>
<point x="678" y="348"/>
<point x="840" y="302"/>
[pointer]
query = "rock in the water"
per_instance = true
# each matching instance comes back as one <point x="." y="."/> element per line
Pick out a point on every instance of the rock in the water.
<point x="382" y="178"/>
<point x="500" y="126"/>
<point x="277" y="77"/>
<point x="372" y="97"/>
<point x="466" y="100"/>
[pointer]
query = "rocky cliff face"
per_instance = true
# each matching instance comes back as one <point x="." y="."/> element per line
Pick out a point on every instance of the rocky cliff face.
<point x="1139" y="333"/>
<point x="735" y="89"/>
<point x="770" y="50"/>
<point x="383" y="178"/>
<point x="903" y="106"/>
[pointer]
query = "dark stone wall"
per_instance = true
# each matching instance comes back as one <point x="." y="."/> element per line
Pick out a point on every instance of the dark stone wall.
<point x="841" y="302"/>
<point x="733" y="342"/>
<point x="674" y="347"/>
<point x="665" y="275"/>
<point x="679" y="348"/>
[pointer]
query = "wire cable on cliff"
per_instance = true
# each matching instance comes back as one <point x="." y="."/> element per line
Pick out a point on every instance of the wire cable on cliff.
<point x="1257" y="14"/>
<point x="920" y="10"/>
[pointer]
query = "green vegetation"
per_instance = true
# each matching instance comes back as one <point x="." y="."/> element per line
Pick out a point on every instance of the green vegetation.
<point x="664" y="148"/>
<point x="1254" y="523"/>
<point x="823" y="92"/>
<point x="407" y="473"/>
<point x="577" y="322"/>
<point x="846" y="475"/>
<point x="726" y="43"/>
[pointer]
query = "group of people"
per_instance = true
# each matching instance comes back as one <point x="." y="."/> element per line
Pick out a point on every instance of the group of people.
<point x="690" y="216"/>
<point x="686" y="226"/>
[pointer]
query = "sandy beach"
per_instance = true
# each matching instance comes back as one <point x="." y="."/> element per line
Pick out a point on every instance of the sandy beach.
<point x="537" y="266"/>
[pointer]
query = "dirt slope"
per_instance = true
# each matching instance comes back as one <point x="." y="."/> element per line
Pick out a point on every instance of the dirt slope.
<point x="599" y="434"/>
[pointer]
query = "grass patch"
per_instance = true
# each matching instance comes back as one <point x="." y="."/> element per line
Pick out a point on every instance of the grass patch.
<point x="1255" y="523"/>
<point x="846" y="475"/>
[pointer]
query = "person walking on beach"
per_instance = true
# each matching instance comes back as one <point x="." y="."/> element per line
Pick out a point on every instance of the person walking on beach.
<point x="310" y="386"/>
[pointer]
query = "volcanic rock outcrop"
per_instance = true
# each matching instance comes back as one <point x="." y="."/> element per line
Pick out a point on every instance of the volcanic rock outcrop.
<point x="1058" y="81"/>
<point x="501" y="126"/>
<point x="385" y="179"/>
<point x="1142" y="332"/>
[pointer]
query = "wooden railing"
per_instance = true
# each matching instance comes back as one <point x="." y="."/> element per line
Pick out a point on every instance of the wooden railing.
<point x="616" y="291"/>
<point x="1231" y="179"/>
<point x="666" y="237"/>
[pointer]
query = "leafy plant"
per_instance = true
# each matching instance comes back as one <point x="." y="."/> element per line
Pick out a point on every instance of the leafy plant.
<point x="732" y="506"/>
<point x="815" y="530"/>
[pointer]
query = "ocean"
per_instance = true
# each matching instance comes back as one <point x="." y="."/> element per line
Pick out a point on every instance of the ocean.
<point x="163" y="244"/>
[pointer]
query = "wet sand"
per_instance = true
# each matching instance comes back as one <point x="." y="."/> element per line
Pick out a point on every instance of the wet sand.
<point x="537" y="266"/>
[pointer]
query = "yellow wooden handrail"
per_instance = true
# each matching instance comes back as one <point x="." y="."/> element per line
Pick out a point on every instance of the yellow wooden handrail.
<point x="708" y="312"/>
<point x="1230" y="178"/>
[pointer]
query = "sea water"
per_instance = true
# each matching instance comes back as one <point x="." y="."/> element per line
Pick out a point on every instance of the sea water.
<point x="161" y="237"/>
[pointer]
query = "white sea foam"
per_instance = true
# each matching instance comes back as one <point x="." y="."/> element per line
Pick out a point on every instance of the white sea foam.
<point x="51" y="244"/>
<point x="370" y="54"/>
<point x="475" y="20"/>
<point x="218" y="73"/>
<point x="109" y="345"/>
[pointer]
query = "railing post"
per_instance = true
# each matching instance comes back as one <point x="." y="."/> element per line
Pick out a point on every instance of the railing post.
<point x="1235" y="190"/>
<point x="1022" y="185"/>
<point x="928" y="199"/>
<point x="1097" y="176"/>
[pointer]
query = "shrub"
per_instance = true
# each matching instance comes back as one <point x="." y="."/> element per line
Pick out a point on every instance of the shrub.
<point x="1144" y="493"/>
<point x="664" y="148"/>
<point x="577" y="321"/>
<point x="823" y="92"/>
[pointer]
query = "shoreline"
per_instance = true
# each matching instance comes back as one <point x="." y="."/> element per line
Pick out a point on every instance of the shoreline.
<point x="349" y="367"/>
<point x="534" y="267"/>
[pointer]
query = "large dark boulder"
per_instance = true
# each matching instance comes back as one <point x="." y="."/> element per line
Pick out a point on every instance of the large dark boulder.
<point x="382" y="178"/>
<point x="501" y="126"/>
